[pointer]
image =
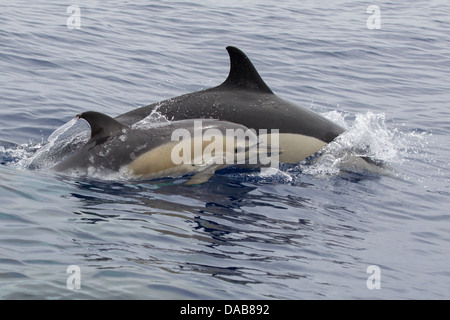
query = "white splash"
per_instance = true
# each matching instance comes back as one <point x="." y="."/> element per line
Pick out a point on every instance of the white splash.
<point x="366" y="137"/>
<point x="60" y="144"/>
<point x="154" y="119"/>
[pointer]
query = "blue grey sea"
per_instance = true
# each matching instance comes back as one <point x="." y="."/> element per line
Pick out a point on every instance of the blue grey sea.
<point x="381" y="69"/>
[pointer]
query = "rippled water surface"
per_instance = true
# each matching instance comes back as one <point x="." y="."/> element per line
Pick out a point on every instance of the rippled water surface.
<point x="305" y="231"/>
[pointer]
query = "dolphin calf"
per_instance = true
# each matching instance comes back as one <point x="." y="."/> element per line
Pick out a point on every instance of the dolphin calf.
<point x="244" y="98"/>
<point x="163" y="150"/>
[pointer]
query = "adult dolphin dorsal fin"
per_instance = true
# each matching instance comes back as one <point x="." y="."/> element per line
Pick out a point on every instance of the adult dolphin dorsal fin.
<point x="101" y="125"/>
<point x="243" y="74"/>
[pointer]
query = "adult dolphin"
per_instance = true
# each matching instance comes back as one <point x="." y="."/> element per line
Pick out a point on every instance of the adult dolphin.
<point x="244" y="98"/>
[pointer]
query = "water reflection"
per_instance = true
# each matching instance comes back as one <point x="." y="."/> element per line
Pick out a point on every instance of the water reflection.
<point x="232" y="230"/>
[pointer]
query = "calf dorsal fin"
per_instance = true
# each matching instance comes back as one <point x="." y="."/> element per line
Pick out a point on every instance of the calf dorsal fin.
<point x="101" y="124"/>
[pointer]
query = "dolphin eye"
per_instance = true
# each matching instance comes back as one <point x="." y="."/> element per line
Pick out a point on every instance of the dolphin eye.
<point x="241" y="149"/>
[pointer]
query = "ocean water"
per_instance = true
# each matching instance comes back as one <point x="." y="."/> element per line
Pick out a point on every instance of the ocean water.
<point x="307" y="231"/>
